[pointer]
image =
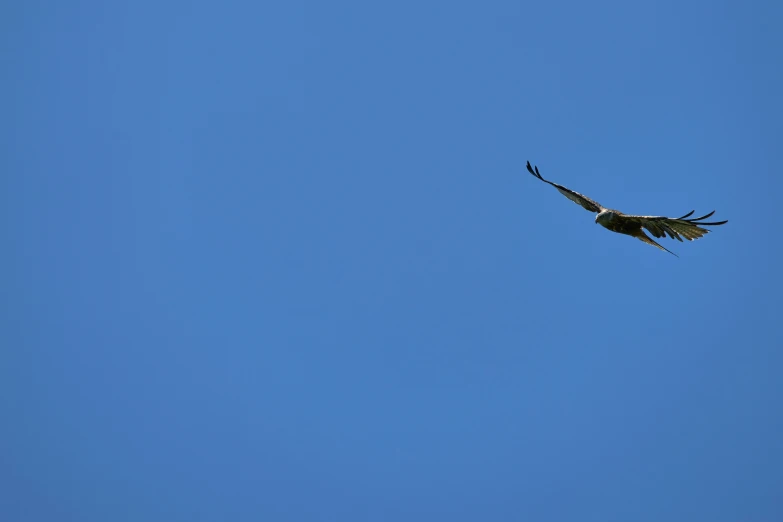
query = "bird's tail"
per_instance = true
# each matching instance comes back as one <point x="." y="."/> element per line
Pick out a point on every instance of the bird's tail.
<point x="650" y="241"/>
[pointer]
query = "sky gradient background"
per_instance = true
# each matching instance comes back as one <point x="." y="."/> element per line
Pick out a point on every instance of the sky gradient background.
<point x="282" y="261"/>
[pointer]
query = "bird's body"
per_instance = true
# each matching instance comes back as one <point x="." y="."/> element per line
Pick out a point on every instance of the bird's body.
<point x="632" y="225"/>
<point x="609" y="220"/>
<point x="613" y="220"/>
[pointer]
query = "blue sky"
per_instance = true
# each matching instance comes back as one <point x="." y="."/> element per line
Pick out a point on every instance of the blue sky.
<point x="282" y="261"/>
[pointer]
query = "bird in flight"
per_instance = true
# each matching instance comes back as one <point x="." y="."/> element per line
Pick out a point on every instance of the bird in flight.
<point x="658" y="226"/>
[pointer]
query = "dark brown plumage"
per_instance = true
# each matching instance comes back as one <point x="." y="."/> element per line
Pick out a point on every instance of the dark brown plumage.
<point x="631" y="225"/>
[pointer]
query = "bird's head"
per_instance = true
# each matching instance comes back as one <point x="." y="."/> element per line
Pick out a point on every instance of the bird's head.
<point x="604" y="217"/>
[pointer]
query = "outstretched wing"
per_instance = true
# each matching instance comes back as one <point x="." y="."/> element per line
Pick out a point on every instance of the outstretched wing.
<point x="676" y="228"/>
<point x="576" y="197"/>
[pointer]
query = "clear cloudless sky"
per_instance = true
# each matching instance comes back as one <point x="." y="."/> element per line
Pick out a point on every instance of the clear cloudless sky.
<point x="282" y="261"/>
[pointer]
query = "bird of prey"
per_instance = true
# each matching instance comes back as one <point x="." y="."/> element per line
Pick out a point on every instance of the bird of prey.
<point x="658" y="226"/>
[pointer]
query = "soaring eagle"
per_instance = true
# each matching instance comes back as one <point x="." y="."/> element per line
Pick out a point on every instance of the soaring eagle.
<point x="658" y="226"/>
